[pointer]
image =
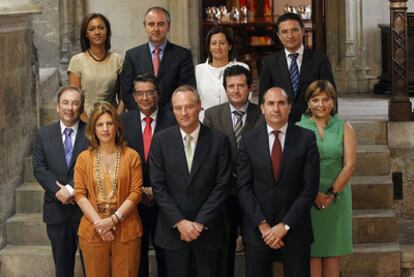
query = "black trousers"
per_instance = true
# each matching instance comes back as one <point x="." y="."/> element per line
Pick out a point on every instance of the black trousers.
<point x="233" y="214"/>
<point x="64" y="240"/>
<point x="259" y="261"/>
<point x="149" y="217"/>
<point x="191" y="262"/>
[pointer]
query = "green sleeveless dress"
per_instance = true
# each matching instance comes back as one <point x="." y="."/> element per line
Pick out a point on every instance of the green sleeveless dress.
<point x="332" y="227"/>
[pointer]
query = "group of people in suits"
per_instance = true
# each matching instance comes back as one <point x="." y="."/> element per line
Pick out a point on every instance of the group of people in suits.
<point x="156" y="174"/>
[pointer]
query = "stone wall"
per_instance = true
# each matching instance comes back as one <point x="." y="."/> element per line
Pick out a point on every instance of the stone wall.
<point x="17" y="99"/>
<point x="401" y="144"/>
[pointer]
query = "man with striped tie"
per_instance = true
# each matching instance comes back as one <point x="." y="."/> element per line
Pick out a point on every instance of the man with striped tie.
<point x="54" y="155"/>
<point x="294" y="67"/>
<point x="234" y="118"/>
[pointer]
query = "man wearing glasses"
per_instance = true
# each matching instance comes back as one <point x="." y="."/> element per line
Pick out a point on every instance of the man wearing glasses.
<point x="140" y="125"/>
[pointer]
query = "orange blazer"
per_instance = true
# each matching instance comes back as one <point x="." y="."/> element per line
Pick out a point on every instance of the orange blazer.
<point x="129" y="187"/>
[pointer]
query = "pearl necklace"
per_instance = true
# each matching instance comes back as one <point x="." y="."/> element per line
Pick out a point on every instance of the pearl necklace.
<point x="99" y="179"/>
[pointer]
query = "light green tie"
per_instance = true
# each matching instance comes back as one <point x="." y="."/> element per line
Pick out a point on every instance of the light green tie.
<point x="188" y="151"/>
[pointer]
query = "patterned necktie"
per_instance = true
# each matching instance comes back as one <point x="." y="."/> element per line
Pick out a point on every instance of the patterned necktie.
<point x="67" y="145"/>
<point x="276" y="154"/>
<point x="188" y="151"/>
<point x="238" y="126"/>
<point x="294" y="72"/>
<point x="147" y="136"/>
<point x="156" y="61"/>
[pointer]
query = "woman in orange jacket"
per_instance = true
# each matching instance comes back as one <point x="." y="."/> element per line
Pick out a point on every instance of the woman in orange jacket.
<point x="108" y="183"/>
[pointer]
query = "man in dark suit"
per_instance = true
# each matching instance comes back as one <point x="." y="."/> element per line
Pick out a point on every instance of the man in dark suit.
<point x="190" y="170"/>
<point x="140" y="125"/>
<point x="55" y="151"/>
<point x="294" y="67"/>
<point x="172" y="64"/>
<point x="234" y="119"/>
<point x="278" y="179"/>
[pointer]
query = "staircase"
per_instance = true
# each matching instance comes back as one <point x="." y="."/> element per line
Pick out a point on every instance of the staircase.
<point x="376" y="251"/>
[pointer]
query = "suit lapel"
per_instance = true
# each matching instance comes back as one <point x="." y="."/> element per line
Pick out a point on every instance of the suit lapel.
<point x="288" y="150"/>
<point x="284" y="70"/>
<point x="166" y="58"/>
<point x="251" y="117"/>
<point x="147" y="59"/>
<point x="200" y="152"/>
<point x="227" y="123"/>
<point x="263" y="150"/>
<point x="56" y="139"/>
<point x="136" y="134"/>
<point x="306" y="65"/>
<point x="178" y="149"/>
<point x="80" y="143"/>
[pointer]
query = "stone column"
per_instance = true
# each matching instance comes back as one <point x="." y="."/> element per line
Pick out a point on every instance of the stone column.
<point x="346" y="46"/>
<point x="17" y="98"/>
<point x="399" y="105"/>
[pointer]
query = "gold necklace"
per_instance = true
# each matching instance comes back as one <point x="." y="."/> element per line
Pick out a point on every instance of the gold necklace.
<point x="99" y="179"/>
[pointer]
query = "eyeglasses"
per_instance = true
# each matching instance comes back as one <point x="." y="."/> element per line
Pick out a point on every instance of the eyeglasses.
<point x="141" y="93"/>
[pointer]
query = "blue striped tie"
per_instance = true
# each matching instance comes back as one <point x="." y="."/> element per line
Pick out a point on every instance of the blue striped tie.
<point x="67" y="145"/>
<point x="294" y="72"/>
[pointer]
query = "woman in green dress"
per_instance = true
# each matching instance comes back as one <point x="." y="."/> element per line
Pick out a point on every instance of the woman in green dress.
<point x="332" y="212"/>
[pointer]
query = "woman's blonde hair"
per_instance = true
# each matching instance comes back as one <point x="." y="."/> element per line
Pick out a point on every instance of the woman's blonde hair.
<point x="316" y="88"/>
<point x="99" y="109"/>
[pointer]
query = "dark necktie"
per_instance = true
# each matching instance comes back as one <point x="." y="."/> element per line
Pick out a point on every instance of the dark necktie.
<point x="238" y="126"/>
<point x="294" y="72"/>
<point x="147" y="136"/>
<point x="67" y="145"/>
<point x="276" y="154"/>
<point x="156" y="61"/>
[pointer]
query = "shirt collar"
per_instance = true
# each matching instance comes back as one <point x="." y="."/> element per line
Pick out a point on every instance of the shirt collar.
<point x="152" y="46"/>
<point x="299" y="51"/>
<point x="243" y="109"/>
<point x="282" y="130"/>
<point x="153" y="115"/>
<point x="194" y="134"/>
<point x="74" y="127"/>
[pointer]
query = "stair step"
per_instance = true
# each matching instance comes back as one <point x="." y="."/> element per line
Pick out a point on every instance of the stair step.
<point x="374" y="226"/>
<point x="29" y="198"/>
<point x="372" y="192"/>
<point x="22" y="261"/>
<point x="372" y="260"/>
<point x="26" y="229"/>
<point x="28" y="170"/>
<point x="370" y="132"/>
<point x="372" y="160"/>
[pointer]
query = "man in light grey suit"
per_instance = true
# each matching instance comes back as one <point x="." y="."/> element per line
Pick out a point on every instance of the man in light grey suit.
<point x="234" y="118"/>
<point x="55" y="151"/>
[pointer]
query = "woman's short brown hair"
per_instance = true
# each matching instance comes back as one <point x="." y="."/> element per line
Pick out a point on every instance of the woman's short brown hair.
<point x="321" y="86"/>
<point x="99" y="109"/>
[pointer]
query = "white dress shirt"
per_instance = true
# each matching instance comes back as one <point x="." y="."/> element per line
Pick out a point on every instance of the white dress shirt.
<point x="298" y="59"/>
<point x="153" y="122"/>
<point x="235" y="117"/>
<point x="282" y="136"/>
<point x="74" y="127"/>
<point x="194" y="135"/>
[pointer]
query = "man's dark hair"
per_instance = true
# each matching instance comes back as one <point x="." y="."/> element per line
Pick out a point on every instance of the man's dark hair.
<point x="289" y="16"/>
<point x="236" y="70"/>
<point x="147" y="77"/>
